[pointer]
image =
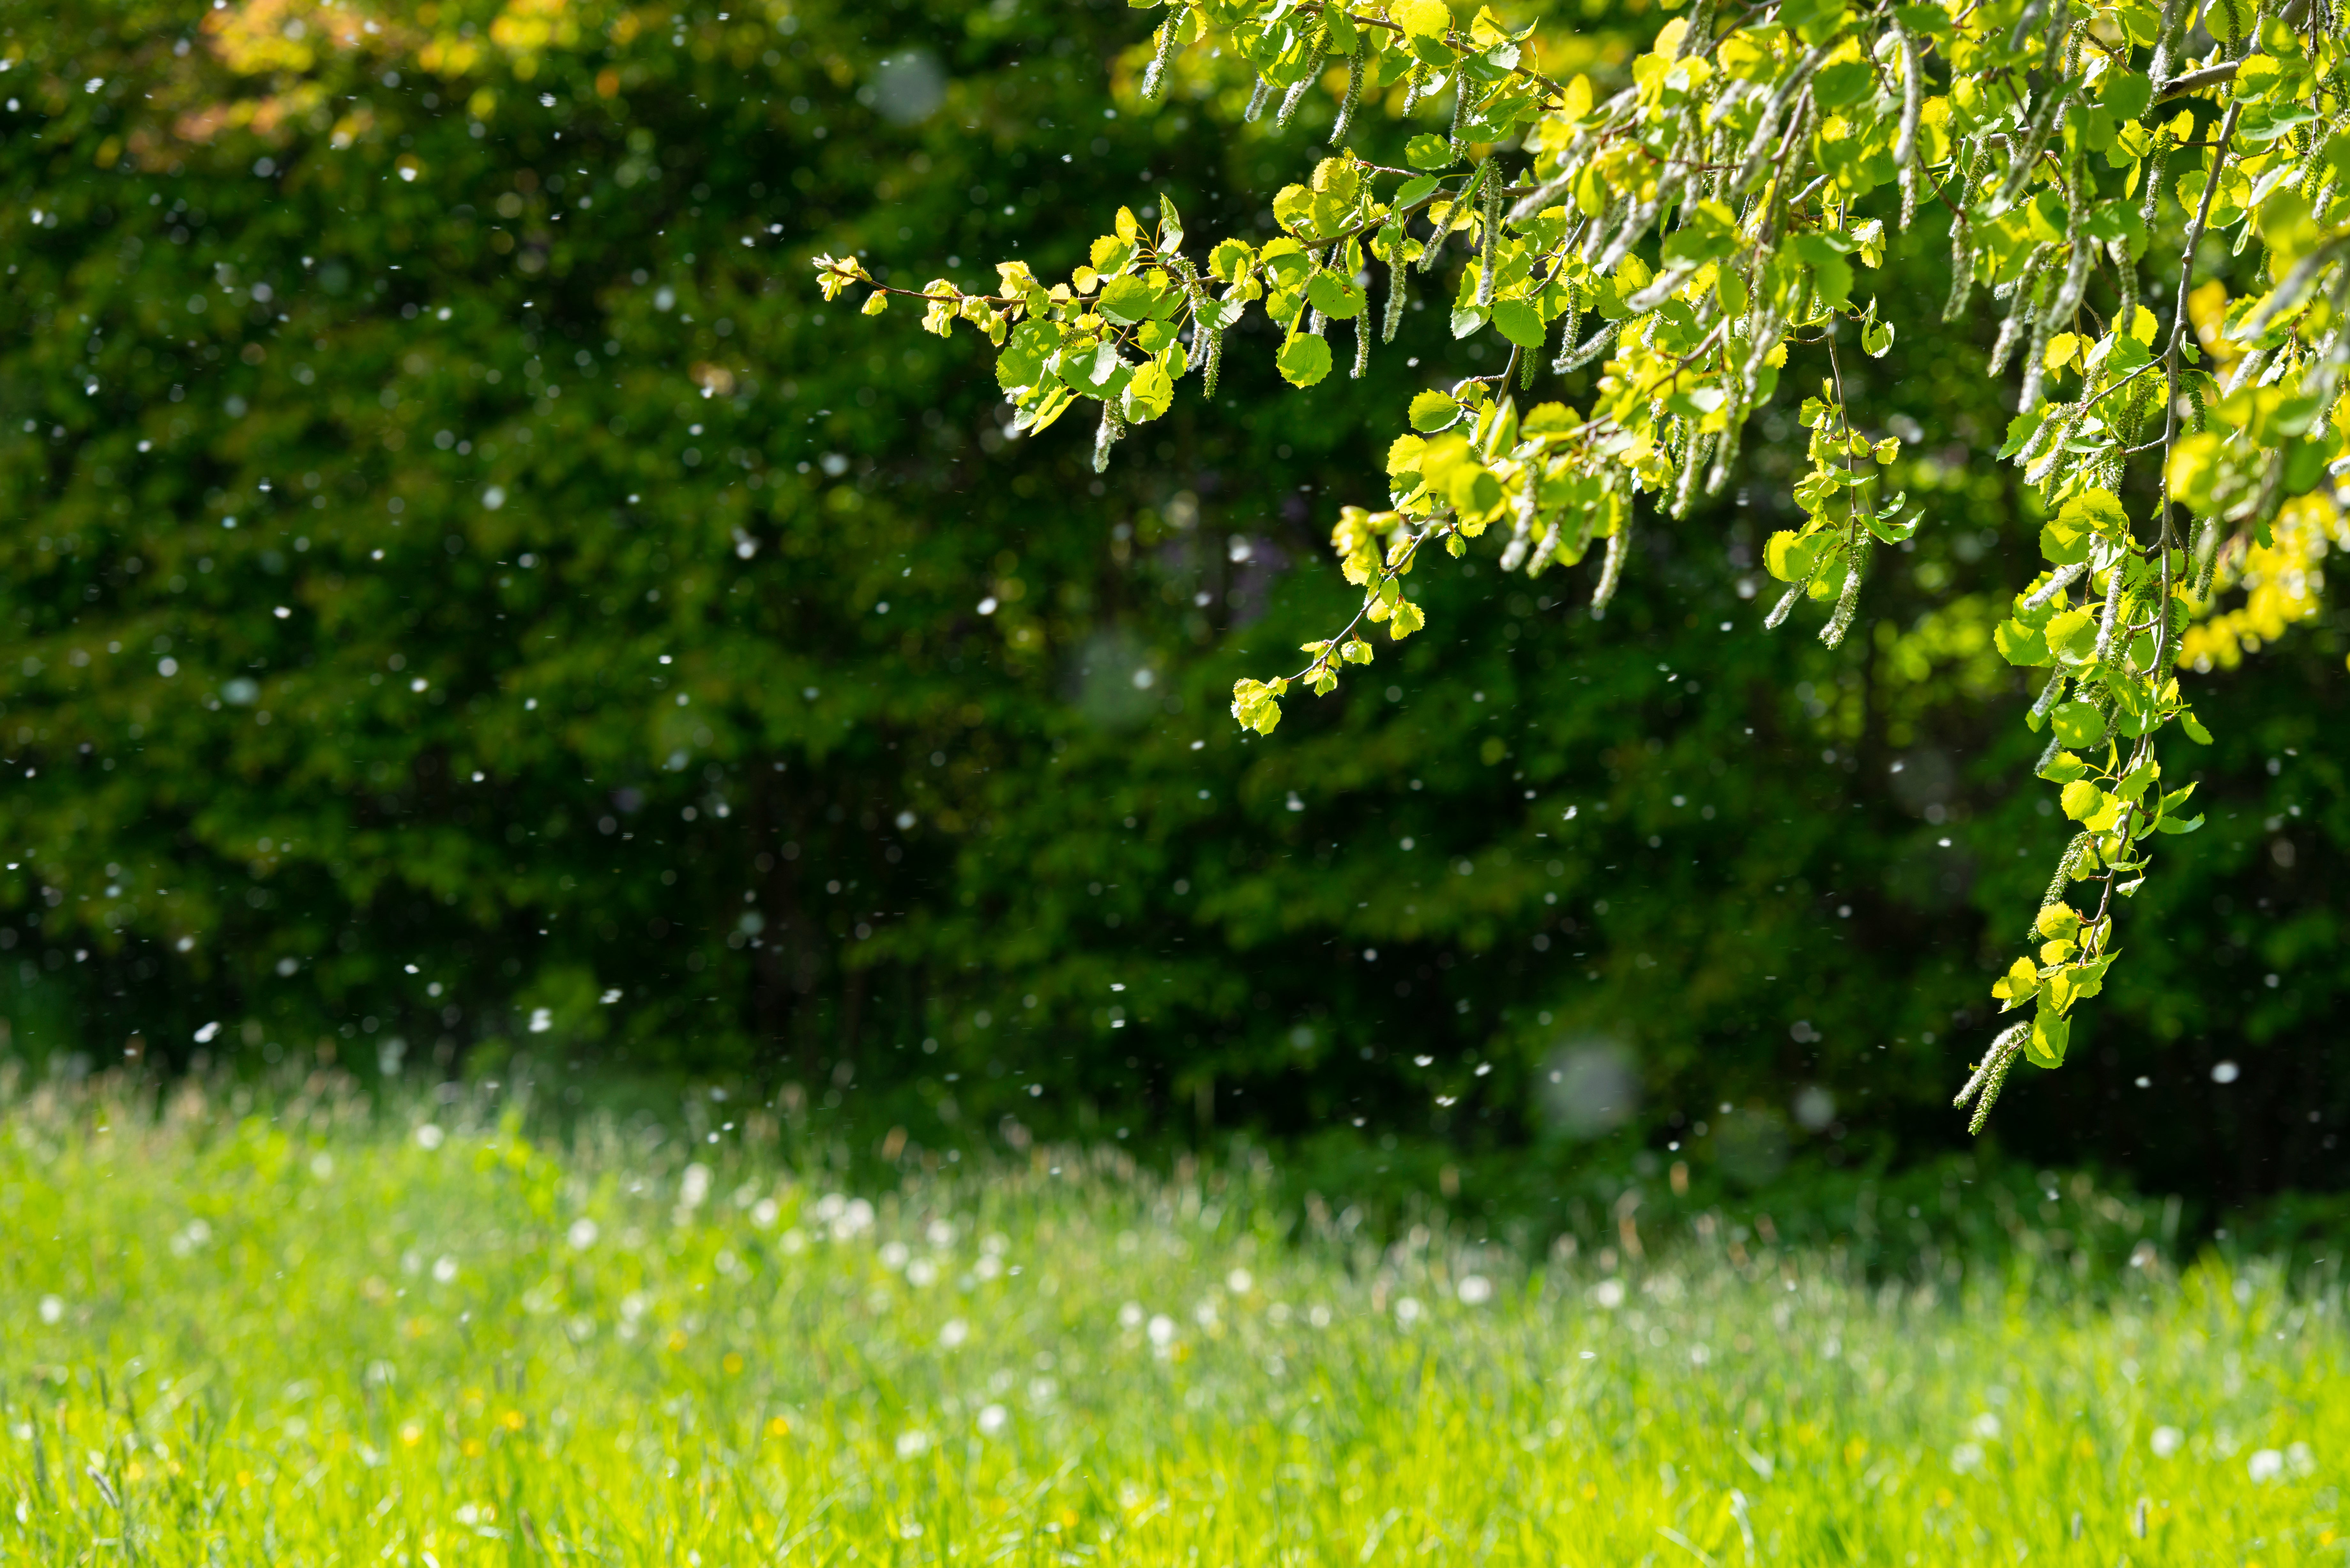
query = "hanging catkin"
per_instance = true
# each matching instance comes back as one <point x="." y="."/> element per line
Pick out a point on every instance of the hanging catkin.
<point x="1207" y="342"/>
<point x="2019" y="310"/>
<point x="1354" y="98"/>
<point x="1568" y="321"/>
<point x="1597" y="345"/>
<point x="1415" y="84"/>
<point x="1489" y="230"/>
<point x="1848" y="601"/>
<point x="2050" y="695"/>
<point x="1112" y="427"/>
<point x="1991" y="1076"/>
<point x="1611" y="570"/>
<point x="1905" y="143"/>
<point x="2035" y="367"/>
<point x="1154" y="80"/>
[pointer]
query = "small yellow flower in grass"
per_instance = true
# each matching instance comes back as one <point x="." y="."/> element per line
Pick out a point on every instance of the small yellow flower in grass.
<point x="677" y="1339"/>
<point x="731" y="1361"/>
<point x="511" y="1420"/>
<point x="474" y="1448"/>
<point x="412" y="1434"/>
<point x="778" y="1428"/>
<point x="244" y="1478"/>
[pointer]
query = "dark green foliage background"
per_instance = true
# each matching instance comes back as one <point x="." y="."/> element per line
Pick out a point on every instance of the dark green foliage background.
<point x="645" y="729"/>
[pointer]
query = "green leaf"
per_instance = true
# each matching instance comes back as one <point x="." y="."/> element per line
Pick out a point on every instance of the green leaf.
<point x="2073" y="636"/>
<point x="1256" y="704"/>
<point x="1293" y="205"/>
<point x="1428" y="151"/>
<point x="2016" y="986"/>
<point x="2020" y="430"/>
<point x="1038" y="415"/>
<point x="1103" y="374"/>
<point x="1730" y="292"/>
<point x="2050" y="1034"/>
<point x="2058" y="920"/>
<point x="1230" y="259"/>
<point x="2082" y="800"/>
<point x="1829" y="269"/>
<point x="1335" y="296"/>
<point x="1022" y="359"/>
<point x="1411" y="191"/>
<point x="2078" y="725"/>
<point x="2020" y="644"/>
<point x="1404" y="619"/>
<point x="1886" y="523"/>
<point x="1127" y="300"/>
<point x="1304" y="361"/>
<point x="2179" y="825"/>
<point x="1519" y="321"/>
<point x="1286" y="261"/>
<point x="1149" y="394"/>
<point x="1421" y="19"/>
<point x="1790" y="558"/>
<point x="2064" y="768"/>
<point x="1432" y="411"/>
<point x="2095" y="511"/>
<point x="2194" y="728"/>
<point x="1847" y="82"/>
<point x="2065" y="547"/>
<point x="1813" y="21"/>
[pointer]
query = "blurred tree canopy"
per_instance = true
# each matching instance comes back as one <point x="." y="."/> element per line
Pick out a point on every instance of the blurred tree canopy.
<point x="469" y="596"/>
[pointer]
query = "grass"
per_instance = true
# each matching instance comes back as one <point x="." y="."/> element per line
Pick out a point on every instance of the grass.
<point x="337" y="1333"/>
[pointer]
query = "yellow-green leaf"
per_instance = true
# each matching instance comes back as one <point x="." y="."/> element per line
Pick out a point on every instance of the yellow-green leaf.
<point x="1421" y="19"/>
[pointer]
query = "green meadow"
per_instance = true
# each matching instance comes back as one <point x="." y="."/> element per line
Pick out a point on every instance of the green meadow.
<point x="323" y="1329"/>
